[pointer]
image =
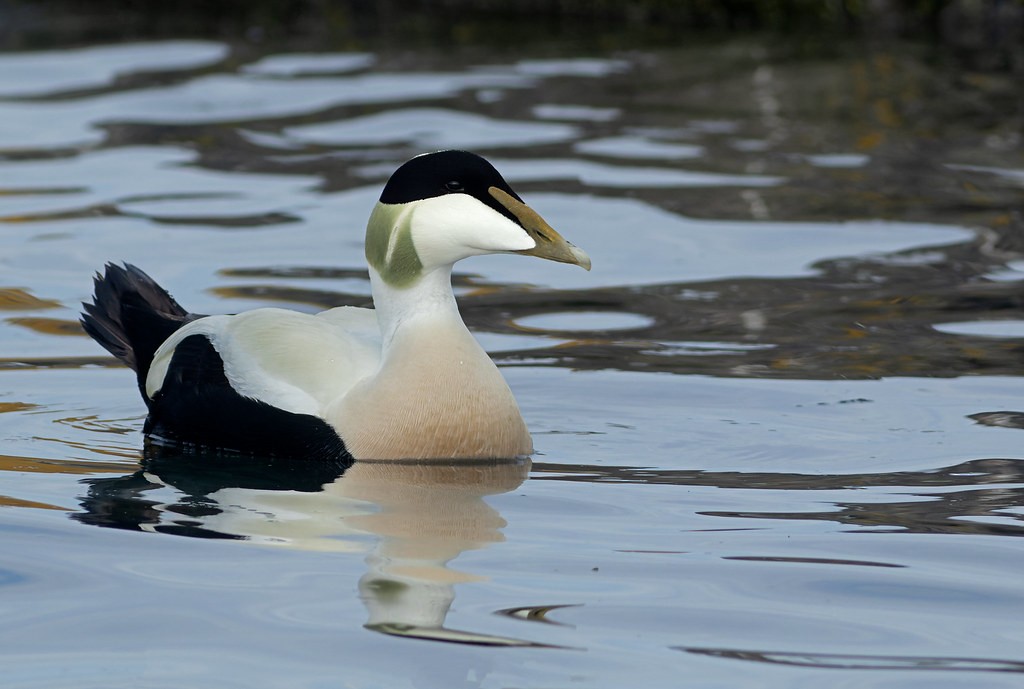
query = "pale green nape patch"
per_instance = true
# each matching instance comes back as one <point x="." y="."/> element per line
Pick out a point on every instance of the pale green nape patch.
<point x="389" y="246"/>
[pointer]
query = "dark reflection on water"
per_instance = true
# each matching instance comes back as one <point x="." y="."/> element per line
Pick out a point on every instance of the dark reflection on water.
<point x="839" y="661"/>
<point x="1000" y="488"/>
<point x="878" y="323"/>
<point x="1000" y="419"/>
<point x="122" y="502"/>
<point x="970" y="473"/>
<point x="811" y="561"/>
<point x="535" y="613"/>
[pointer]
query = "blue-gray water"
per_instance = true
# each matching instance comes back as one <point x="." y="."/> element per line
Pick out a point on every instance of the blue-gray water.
<point x="769" y="453"/>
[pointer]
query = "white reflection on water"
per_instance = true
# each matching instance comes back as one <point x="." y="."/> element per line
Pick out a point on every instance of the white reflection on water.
<point x="1015" y="176"/>
<point x="51" y="72"/>
<point x="576" y="67"/>
<point x="638" y="148"/>
<point x="560" y="321"/>
<point x="140" y="179"/>
<point x="551" y="111"/>
<point x="301" y="64"/>
<point x="839" y="160"/>
<point x="431" y="128"/>
<point x="224" y="98"/>
<point x="1006" y="328"/>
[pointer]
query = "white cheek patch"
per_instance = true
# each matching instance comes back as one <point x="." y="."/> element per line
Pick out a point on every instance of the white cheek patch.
<point x="456" y="226"/>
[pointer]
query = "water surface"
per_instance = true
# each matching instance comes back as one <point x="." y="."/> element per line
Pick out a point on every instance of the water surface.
<point x="777" y="428"/>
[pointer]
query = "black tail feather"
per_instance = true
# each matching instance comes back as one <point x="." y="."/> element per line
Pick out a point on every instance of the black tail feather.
<point x="131" y="316"/>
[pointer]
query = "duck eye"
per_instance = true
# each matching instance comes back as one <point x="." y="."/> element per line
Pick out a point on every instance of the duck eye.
<point x="453" y="185"/>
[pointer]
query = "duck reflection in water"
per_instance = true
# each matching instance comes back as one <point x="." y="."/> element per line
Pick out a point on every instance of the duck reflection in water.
<point x="422" y="514"/>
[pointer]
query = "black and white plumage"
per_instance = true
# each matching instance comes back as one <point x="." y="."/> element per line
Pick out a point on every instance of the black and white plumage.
<point x="405" y="380"/>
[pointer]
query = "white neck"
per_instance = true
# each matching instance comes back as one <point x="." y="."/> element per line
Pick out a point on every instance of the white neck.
<point x="430" y="297"/>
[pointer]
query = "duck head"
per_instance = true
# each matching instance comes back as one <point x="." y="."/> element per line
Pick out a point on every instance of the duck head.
<point x="441" y="207"/>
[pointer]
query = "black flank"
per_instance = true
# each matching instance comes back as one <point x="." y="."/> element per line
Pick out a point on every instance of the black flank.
<point x="196" y="407"/>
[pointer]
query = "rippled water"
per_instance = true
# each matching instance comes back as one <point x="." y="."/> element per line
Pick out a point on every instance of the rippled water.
<point x="777" y="435"/>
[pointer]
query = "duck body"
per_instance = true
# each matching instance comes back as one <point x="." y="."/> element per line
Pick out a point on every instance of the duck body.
<point x="405" y="380"/>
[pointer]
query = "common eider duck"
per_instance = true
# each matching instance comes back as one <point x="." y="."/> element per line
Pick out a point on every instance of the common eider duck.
<point x="404" y="380"/>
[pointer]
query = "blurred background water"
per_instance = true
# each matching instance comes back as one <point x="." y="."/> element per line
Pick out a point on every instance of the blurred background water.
<point x="778" y="426"/>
